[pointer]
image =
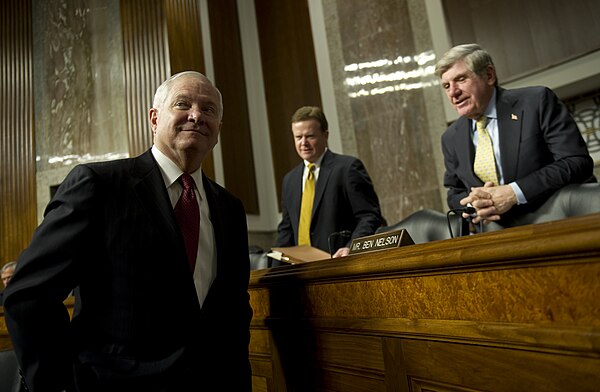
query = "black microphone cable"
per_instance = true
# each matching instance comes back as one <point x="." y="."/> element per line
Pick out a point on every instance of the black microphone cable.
<point x="343" y="233"/>
<point x="464" y="221"/>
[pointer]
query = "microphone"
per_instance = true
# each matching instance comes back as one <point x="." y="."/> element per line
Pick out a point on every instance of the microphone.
<point x="337" y="235"/>
<point x="467" y="210"/>
<point x="464" y="222"/>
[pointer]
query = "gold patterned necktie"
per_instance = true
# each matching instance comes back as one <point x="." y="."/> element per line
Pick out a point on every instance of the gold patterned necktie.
<point x="306" y="208"/>
<point x="485" y="162"/>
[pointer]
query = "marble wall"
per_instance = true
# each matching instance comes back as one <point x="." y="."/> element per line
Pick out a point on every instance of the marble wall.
<point x="389" y="103"/>
<point x="388" y="100"/>
<point x="79" y="90"/>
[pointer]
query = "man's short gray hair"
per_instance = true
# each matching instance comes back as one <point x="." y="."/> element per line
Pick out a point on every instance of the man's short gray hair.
<point x="10" y="264"/>
<point x="163" y="90"/>
<point x="475" y="57"/>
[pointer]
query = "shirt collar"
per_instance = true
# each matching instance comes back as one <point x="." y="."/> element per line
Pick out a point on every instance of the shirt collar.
<point x="490" y="110"/>
<point x="318" y="161"/>
<point x="171" y="172"/>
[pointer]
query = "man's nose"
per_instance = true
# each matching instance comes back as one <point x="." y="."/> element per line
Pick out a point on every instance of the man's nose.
<point x="194" y="116"/>
<point x="453" y="90"/>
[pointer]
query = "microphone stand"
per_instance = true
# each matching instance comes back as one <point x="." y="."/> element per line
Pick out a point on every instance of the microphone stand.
<point x="464" y="222"/>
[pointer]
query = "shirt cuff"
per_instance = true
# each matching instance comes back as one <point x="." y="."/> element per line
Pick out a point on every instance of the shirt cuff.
<point x="520" y="196"/>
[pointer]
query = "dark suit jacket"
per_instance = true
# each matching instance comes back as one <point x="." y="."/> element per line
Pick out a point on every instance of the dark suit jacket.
<point x="540" y="145"/>
<point x="344" y="200"/>
<point x="110" y="230"/>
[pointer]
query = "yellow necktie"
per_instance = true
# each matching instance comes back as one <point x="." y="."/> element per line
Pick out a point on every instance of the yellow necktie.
<point x="306" y="209"/>
<point x="485" y="162"/>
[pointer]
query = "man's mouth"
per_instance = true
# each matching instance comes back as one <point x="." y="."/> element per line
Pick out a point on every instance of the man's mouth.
<point x="196" y="130"/>
<point x="458" y="102"/>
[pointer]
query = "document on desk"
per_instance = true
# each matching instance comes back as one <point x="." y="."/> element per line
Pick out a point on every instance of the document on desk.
<point x="298" y="254"/>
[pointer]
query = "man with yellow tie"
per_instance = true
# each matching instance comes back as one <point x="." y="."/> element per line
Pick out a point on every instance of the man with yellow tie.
<point x="511" y="149"/>
<point x="327" y="193"/>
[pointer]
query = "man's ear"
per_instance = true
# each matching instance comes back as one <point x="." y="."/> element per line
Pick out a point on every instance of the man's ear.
<point x="153" y="117"/>
<point x="490" y="72"/>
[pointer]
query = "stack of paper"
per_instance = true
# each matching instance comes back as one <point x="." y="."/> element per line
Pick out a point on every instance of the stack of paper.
<point x="298" y="254"/>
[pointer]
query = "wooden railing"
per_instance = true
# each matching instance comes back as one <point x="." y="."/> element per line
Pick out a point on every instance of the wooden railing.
<point x="515" y="310"/>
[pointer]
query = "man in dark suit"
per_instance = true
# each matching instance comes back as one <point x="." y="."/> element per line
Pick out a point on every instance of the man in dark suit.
<point x="6" y="273"/>
<point x="344" y="198"/>
<point x="146" y="318"/>
<point x="535" y="146"/>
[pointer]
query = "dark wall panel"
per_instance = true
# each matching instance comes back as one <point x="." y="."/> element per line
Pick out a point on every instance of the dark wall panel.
<point x="526" y="36"/>
<point x="236" y="138"/>
<point x="17" y="145"/>
<point x="185" y="35"/>
<point x="289" y="73"/>
<point x="186" y="53"/>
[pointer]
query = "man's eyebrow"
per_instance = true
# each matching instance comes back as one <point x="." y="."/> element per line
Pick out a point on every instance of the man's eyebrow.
<point x="211" y="103"/>
<point x="460" y="75"/>
<point x="180" y="96"/>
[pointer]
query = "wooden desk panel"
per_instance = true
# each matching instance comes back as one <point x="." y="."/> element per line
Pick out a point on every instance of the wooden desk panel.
<point x="512" y="310"/>
<point x="502" y="311"/>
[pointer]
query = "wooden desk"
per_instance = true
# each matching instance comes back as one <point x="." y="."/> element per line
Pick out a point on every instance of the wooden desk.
<point x="516" y="310"/>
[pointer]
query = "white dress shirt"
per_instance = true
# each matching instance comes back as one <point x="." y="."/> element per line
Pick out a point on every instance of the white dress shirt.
<point x="315" y="172"/>
<point x="492" y="128"/>
<point x="206" y="258"/>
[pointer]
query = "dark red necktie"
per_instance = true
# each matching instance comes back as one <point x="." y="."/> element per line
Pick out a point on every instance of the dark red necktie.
<point x="188" y="217"/>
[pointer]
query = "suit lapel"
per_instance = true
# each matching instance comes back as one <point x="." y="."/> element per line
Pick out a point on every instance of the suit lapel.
<point x="215" y="216"/>
<point x="150" y="189"/>
<point x="465" y="151"/>
<point x="324" y="172"/>
<point x="509" y="133"/>
<point x="296" y="196"/>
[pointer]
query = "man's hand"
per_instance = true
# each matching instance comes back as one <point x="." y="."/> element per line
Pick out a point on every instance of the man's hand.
<point x="504" y="198"/>
<point x="479" y="199"/>
<point x="490" y="201"/>
<point x="341" y="252"/>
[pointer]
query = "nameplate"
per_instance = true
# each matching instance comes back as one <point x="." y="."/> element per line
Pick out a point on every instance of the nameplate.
<point x="387" y="240"/>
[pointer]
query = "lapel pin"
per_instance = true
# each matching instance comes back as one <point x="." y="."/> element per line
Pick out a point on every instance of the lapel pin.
<point x="514" y="117"/>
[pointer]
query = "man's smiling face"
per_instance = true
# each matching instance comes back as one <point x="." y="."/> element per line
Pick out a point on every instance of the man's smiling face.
<point x="189" y="119"/>
<point x="310" y="140"/>
<point x="468" y="92"/>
